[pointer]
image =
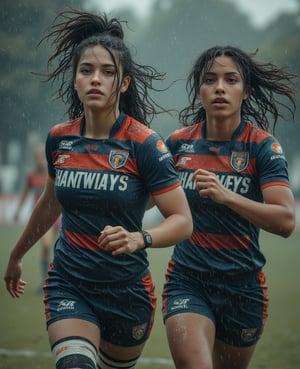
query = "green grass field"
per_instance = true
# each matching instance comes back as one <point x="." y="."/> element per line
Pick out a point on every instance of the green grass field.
<point x="23" y="338"/>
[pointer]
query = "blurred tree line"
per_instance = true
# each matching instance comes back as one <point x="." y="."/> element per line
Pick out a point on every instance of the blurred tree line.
<point x="170" y="39"/>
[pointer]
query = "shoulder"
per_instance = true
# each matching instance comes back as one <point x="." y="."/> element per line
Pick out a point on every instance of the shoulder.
<point x="71" y="127"/>
<point x="255" y="134"/>
<point x="135" y="130"/>
<point x="191" y="132"/>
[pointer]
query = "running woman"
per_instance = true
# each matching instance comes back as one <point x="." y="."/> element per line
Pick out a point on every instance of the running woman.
<point x="104" y="164"/>
<point x="235" y="177"/>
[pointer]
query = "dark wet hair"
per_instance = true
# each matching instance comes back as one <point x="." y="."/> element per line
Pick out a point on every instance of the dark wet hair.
<point x="71" y="33"/>
<point x="265" y="81"/>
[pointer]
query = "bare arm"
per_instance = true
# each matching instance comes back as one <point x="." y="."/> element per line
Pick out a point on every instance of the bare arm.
<point x="276" y="215"/>
<point x="176" y="226"/>
<point x="44" y="214"/>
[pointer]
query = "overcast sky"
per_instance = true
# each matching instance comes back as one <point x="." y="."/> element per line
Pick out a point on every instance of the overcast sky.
<point x="261" y="11"/>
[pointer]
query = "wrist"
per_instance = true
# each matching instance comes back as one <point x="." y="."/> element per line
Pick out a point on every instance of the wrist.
<point x="147" y="239"/>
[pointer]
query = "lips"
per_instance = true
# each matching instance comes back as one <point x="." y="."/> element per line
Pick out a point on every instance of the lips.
<point x="94" y="91"/>
<point x="220" y="100"/>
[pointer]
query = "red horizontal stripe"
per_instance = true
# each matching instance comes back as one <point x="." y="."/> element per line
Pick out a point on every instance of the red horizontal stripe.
<point x="212" y="163"/>
<point x="271" y="184"/>
<point x="219" y="241"/>
<point x="84" y="241"/>
<point x="166" y="189"/>
<point x="91" y="162"/>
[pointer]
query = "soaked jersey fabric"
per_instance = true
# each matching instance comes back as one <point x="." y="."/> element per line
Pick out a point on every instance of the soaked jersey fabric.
<point x="253" y="160"/>
<point x="102" y="182"/>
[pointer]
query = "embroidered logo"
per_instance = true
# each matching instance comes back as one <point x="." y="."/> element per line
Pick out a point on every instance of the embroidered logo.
<point x="138" y="331"/>
<point x="118" y="158"/>
<point x="276" y="148"/>
<point x="161" y="146"/>
<point x="183" y="160"/>
<point x="66" y="305"/>
<point x="92" y="147"/>
<point x="61" y="159"/>
<point x="248" y="334"/>
<point x="187" y="148"/>
<point x="239" y="160"/>
<point x="180" y="304"/>
<point x="65" y="145"/>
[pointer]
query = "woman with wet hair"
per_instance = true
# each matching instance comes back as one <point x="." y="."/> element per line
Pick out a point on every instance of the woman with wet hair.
<point x="235" y="176"/>
<point x="103" y="164"/>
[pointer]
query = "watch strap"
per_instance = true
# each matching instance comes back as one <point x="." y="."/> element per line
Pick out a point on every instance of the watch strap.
<point x="147" y="239"/>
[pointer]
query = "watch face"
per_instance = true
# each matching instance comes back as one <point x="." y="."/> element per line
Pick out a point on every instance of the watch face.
<point x="147" y="239"/>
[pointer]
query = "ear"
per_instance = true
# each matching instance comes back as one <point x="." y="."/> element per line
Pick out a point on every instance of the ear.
<point x="246" y="93"/>
<point x="125" y="84"/>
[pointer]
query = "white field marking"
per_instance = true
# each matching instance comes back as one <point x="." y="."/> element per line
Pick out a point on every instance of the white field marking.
<point x="28" y="353"/>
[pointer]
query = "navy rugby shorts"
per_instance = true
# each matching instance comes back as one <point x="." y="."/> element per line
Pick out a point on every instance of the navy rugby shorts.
<point x="237" y="305"/>
<point x="123" y="313"/>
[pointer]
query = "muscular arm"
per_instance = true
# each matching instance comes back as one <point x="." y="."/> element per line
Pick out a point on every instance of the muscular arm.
<point x="45" y="212"/>
<point x="176" y="226"/>
<point x="276" y="214"/>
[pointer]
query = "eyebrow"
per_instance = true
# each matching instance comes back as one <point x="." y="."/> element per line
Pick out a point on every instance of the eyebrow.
<point x="102" y="65"/>
<point x="226" y="73"/>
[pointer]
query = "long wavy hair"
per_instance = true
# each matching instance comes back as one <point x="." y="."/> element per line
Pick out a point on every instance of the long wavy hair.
<point x="266" y="82"/>
<point x="72" y="32"/>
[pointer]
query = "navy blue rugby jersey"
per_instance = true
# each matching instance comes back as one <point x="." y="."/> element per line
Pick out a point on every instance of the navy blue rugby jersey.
<point x="105" y="182"/>
<point x="253" y="160"/>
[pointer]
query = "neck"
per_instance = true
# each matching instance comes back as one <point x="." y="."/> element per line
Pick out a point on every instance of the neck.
<point x="98" y="124"/>
<point x="221" y="130"/>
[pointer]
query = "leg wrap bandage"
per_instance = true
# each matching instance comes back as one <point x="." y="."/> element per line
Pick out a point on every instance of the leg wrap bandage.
<point x="106" y="362"/>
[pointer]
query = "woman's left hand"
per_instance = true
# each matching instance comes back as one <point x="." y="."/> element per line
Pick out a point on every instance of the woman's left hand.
<point x="119" y="240"/>
<point x="208" y="185"/>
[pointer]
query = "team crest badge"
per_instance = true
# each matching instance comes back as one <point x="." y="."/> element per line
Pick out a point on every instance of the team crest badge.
<point x="239" y="160"/>
<point x="248" y="334"/>
<point x="138" y="331"/>
<point x="118" y="158"/>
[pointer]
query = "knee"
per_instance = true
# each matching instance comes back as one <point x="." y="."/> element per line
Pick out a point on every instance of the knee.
<point x="74" y="352"/>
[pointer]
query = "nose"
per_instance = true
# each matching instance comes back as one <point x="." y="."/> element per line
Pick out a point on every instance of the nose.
<point x="96" y="78"/>
<point x="220" y="85"/>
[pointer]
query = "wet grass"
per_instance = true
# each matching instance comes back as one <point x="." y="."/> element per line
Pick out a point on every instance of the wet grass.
<point x="22" y="321"/>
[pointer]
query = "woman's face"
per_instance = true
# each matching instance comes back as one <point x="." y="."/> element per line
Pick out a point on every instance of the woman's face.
<point x="96" y="79"/>
<point x="222" y="89"/>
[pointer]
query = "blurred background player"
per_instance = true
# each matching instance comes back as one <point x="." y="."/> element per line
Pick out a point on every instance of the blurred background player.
<point x="34" y="185"/>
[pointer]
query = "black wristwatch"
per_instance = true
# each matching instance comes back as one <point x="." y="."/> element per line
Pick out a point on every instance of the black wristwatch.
<point x="147" y="239"/>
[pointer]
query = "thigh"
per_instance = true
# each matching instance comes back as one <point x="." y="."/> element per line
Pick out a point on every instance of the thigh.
<point x="73" y="328"/>
<point x="191" y="339"/>
<point x="121" y="352"/>
<point x="227" y="356"/>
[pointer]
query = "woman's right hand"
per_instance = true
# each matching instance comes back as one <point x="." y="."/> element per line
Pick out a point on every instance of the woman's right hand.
<point x="14" y="284"/>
